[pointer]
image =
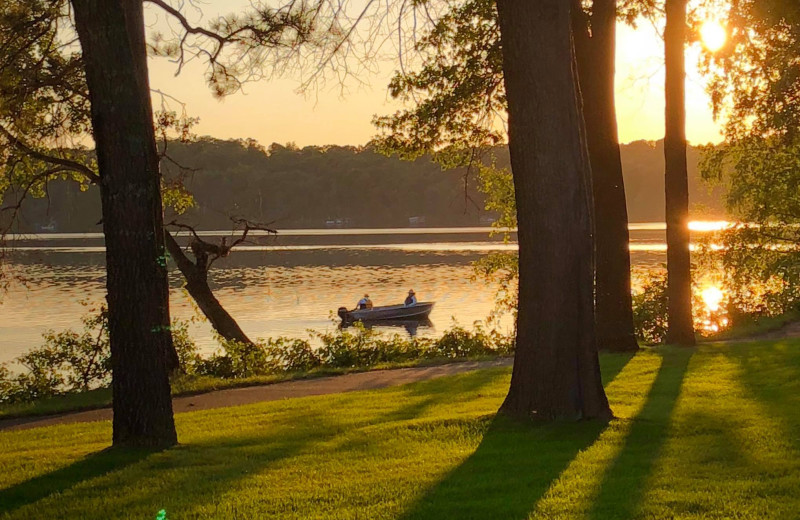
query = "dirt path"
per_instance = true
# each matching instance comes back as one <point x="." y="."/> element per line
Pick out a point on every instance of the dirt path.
<point x="786" y="331"/>
<point x="286" y="390"/>
<point x="789" y="330"/>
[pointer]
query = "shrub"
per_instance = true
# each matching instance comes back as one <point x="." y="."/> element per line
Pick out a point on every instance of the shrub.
<point x="650" y="310"/>
<point x="459" y="343"/>
<point x="71" y="361"/>
<point x="188" y="358"/>
<point x="291" y="355"/>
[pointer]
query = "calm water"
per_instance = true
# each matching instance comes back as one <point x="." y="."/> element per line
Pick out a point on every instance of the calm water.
<point x="281" y="285"/>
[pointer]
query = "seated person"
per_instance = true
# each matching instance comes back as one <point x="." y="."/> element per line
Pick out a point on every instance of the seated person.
<point x="411" y="299"/>
<point x="365" y="302"/>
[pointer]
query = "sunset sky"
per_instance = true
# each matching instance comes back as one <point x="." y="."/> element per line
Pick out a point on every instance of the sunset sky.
<point x="273" y="111"/>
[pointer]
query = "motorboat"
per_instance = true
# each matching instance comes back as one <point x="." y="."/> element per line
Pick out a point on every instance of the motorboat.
<point x="418" y="311"/>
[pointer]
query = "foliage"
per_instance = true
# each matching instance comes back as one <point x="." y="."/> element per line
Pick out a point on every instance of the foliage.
<point x="435" y="449"/>
<point x="650" y="310"/>
<point x="356" y="347"/>
<point x="754" y="79"/>
<point x="71" y="361"/>
<point x="458" y="91"/>
<point x="760" y="255"/>
<point x="185" y="347"/>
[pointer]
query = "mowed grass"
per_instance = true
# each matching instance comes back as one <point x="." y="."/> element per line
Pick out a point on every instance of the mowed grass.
<point x="712" y="432"/>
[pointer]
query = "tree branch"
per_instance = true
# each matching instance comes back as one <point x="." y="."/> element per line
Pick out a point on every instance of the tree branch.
<point x="68" y="164"/>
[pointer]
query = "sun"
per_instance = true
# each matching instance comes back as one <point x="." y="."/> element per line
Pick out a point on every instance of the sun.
<point x="713" y="35"/>
<point x="712" y="297"/>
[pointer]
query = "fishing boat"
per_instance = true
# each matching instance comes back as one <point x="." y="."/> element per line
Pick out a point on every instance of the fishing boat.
<point x="418" y="311"/>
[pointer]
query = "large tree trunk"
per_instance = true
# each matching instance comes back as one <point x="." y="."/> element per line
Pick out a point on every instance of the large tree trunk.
<point x="556" y="372"/>
<point x="197" y="286"/>
<point x="111" y="34"/>
<point x="680" y="329"/>
<point x="595" y="56"/>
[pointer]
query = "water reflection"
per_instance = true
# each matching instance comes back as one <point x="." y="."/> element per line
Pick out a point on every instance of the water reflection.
<point x="413" y="328"/>
<point x="281" y="286"/>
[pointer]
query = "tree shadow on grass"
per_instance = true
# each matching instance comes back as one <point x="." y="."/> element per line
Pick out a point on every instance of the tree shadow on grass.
<point x="508" y="473"/>
<point x="420" y="397"/>
<point x="771" y="373"/>
<point x="176" y="479"/>
<point x="92" y="466"/>
<point x="611" y="364"/>
<point x="625" y="480"/>
<point x="513" y="467"/>
<point x="466" y="387"/>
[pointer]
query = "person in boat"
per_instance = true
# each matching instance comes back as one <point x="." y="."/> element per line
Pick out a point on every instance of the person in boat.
<point x="411" y="299"/>
<point x="364" y="303"/>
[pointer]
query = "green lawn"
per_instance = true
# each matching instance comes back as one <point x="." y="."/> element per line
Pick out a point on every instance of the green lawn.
<point x="706" y="433"/>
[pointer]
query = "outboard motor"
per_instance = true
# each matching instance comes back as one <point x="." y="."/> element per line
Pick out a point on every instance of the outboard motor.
<point x="342" y="312"/>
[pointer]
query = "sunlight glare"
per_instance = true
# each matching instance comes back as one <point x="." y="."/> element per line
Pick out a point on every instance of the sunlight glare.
<point x="709" y="225"/>
<point x="713" y="35"/>
<point x="712" y="297"/>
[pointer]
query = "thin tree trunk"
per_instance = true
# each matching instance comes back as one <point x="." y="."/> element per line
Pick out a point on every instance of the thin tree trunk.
<point x="680" y="329"/>
<point x="556" y="372"/>
<point x="199" y="290"/>
<point x="111" y="34"/>
<point x="595" y="55"/>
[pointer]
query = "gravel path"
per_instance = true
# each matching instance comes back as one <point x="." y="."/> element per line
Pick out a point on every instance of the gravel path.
<point x="790" y="330"/>
<point x="286" y="390"/>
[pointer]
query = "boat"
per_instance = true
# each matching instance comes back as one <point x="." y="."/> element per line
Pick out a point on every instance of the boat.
<point x="418" y="311"/>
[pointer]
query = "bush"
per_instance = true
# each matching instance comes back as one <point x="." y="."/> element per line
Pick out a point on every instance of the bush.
<point x="292" y="355"/>
<point x="71" y="361"/>
<point x="188" y="358"/>
<point x="650" y="310"/>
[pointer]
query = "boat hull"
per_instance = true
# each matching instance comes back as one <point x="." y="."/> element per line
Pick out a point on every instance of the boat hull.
<point x="420" y="311"/>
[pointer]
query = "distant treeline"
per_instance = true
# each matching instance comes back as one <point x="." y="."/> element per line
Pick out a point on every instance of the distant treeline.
<point x="319" y="186"/>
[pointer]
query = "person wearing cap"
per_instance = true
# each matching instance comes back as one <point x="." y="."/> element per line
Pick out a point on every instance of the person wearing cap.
<point x="365" y="302"/>
<point x="411" y="299"/>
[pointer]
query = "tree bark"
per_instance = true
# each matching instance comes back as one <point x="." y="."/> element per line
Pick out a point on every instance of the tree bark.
<point x="595" y="55"/>
<point x="111" y="34"/>
<point x="556" y="371"/>
<point x="198" y="288"/>
<point x="680" y="329"/>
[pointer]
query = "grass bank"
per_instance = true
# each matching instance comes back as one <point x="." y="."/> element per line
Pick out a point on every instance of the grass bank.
<point x="700" y="433"/>
<point x="199" y="384"/>
<point x="751" y="326"/>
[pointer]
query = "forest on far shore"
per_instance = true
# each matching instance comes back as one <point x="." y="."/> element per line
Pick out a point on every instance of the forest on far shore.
<point x="344" y="186"/>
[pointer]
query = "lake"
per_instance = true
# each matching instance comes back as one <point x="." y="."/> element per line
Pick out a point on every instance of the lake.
<point x="279" y="285"/>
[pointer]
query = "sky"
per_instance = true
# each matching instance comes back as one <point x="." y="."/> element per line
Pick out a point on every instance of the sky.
<point x="274" y="111"/>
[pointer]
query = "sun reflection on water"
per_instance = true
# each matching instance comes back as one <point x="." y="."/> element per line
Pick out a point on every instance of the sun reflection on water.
<point x="711" y="312"/>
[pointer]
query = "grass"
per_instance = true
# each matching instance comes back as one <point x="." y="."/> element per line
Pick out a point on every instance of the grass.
<point x="705" y="433"/>
<point x="192" y="385"/>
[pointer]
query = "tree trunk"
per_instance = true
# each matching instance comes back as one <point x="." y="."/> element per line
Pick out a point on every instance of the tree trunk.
<point x="595" y="55"/>
<point x="197" y="286"/>
<point x="111" y="34"/>
<point x="680" y="329"/>
<point x="556" y="372"/>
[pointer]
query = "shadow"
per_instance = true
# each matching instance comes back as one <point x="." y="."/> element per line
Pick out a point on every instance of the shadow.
<point x="513" y="460"/>
<point x="512" y="468"/>
<point x="771" y="374"/>
<point x="418" y="398"/>
<point x="625" y="479"/>
<point x="58" y="481"/>
<point x="514" y="465"/>
<point x="611" y="365"/>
